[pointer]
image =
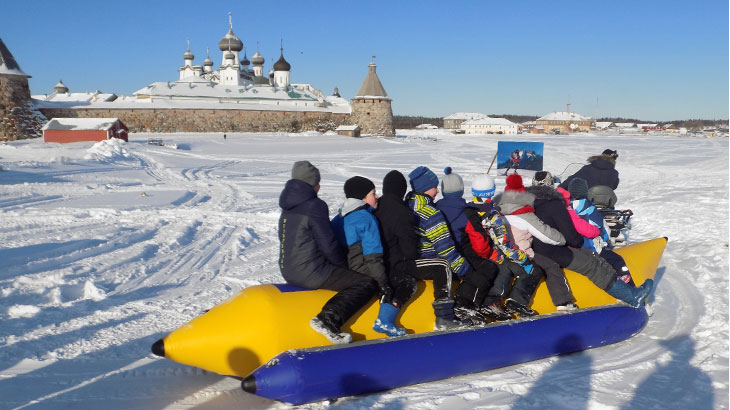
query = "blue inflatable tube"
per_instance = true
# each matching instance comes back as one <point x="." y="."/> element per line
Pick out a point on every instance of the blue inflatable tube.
<point x="307" y="375"/>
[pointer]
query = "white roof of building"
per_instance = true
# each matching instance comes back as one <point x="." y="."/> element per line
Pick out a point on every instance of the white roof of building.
<point x="466" y="116"/>
<point x="624" y="124"/>
<point x="347" y="127"/>
<point x="80" y="124"/>
<point x="564" y="116"/>
<point x="76" y="97"/>
<point x="603" y="124"/>
<point x="488" y="121"/>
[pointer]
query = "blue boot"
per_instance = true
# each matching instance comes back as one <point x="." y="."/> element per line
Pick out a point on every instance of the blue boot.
<point x="385" y="323"/>
<point x="632" y="295"/>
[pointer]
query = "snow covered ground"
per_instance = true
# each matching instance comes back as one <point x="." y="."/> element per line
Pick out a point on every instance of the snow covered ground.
<point x="104" y="248"/>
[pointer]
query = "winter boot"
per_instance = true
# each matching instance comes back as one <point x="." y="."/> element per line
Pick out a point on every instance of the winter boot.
<point x="568" y="307"/>
<point x="513" y="306"/>
<point x="445" y="318"/>
<point x="495" y="312"/>
<point x="385" y="323"/>
<point x="631" y="295"/>
<point x="325" y="324"/>
<point x="467" y="312"/>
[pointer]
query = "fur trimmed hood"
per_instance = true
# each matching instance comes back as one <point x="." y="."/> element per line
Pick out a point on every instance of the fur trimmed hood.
<point x="606" y="158"/>
<point x="544" y="193"/>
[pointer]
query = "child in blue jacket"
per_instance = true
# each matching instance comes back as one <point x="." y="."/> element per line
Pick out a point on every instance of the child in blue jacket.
<point x="357" y="229"/>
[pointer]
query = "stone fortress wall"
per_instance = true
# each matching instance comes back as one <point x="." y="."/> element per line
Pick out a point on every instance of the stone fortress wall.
<point x="209" y="120"/>
<point x="18" y="119"/>
<point x="373" y="115"/>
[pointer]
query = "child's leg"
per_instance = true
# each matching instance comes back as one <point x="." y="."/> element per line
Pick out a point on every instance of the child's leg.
<point x="498" y="291"/>
<point x="435" y="269"/>
<point x="403" y="284"/>
<point x="525" y="284"/>
<point x="557" y="285"/>
<point x="619" y="264"/>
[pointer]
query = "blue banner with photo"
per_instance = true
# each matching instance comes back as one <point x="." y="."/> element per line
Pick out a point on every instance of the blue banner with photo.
<point x="513" y="155"/>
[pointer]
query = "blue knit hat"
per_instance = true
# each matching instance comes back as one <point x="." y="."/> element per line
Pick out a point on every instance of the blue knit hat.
<point x="422" y="179"/>
<point x="451" y="184"/>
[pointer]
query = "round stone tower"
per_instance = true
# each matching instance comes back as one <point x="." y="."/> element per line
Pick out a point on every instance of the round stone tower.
<point x="18" y="119"/>
<point x="371" y="106"/>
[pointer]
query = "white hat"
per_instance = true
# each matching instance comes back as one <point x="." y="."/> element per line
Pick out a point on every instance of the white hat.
<point x="483" y="186"/>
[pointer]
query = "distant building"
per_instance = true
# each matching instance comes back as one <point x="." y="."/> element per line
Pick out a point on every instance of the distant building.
<point x="18" y="117"/>
<point x="65" y="130"/>
<point x="348" y="130"/>
<point x="564" y="122"/>
<point x="371" y="106"/>
<point x="61" y="94"/>
<point x="625" y="125"/>
<point x="604" y="125"/>
<point x="455" y="120"/>
<point x="490" y="126"/>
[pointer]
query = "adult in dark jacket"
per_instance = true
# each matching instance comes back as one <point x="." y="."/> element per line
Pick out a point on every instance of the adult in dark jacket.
<point x="400" y="247"/>
<point x="601" y="170"/>
<point x="310" y="256"/>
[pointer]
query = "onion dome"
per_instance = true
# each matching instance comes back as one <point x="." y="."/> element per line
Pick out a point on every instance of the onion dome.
<point x="230" y="41"/>
<point x="60" y="87"/>
<point x="245" y="61"/>
<point x="207" y="61"/>
<point x="257" y="59"/>
<point x="188" y="55"/>
<point x="229" y="55"/>
<point x="281" y="64"/>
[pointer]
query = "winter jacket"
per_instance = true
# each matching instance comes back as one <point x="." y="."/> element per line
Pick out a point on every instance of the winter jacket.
<point x="585" y="208"/>
<point x="524" y="224"/>
<point x="357" y="230"/>
<point x="308" y="251"/>
<point x="550" y="208"/>
<point x="581" y="225"/>
<point x="489" y="237"/>
<point x="601" y="170"/>
<point x="397" y="231"/>
<point x="435" y="238"/>
<point x="453" y="209"/>
<point x="476" y="242"/>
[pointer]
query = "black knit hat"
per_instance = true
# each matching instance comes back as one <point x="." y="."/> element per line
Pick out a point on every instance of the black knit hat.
<point x="395" y="183"/>
<point x="578" y="188"/>
<point x="358" y="187"/>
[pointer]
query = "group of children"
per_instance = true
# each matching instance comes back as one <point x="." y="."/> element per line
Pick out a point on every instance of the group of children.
<point x="385" y="245"/>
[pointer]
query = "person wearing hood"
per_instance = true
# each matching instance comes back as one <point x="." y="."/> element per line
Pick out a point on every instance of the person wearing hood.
<point x="357" y="231"/>
<point x="518" y="207"/>
<point x="600" y="170"/>
<point x="550" y="208"/>
<point x="310" y="256"/>
<point x="403" y="262"/>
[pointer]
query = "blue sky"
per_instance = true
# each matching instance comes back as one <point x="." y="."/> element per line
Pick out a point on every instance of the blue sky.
<point x="652" y="60"/>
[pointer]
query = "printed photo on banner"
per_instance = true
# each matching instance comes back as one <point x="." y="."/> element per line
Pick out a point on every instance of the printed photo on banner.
<point x="513" y="155"/>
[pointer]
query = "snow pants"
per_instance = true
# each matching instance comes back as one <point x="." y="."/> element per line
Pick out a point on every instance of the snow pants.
<point x="476" y="283"/>
<point x="403" y="279"/>
<point x="595" y="268"/>
<point x="353" y="289"/>
<point x="557" y="285"/>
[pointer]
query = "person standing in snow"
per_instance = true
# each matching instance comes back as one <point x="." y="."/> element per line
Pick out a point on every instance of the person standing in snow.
<point x="514" y="161"/>
<point x="479" y="279"/>
<point x="405" y="266"/>
<point x="357" y="230"/>
<point x="435" y="239"/>
<point x="310" y="256"/>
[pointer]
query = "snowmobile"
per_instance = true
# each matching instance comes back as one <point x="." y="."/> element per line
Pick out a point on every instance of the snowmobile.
<point x="618" y="221"/>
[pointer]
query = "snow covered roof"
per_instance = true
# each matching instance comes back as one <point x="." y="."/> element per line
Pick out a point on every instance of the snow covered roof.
<point x="347" y="127"/>
<point x="371" y="87"/>
<point x="76" y="97"/>
<point x="466" y="116"/>
<point x="603" y="124"/>
<point x="488" y="121"/>
<point x="624" y="124"/>
<point x="80" y="124"/>
<point x="564" y="116"/>
<point x="8" y="65"/>
<point x="646" y="125"/>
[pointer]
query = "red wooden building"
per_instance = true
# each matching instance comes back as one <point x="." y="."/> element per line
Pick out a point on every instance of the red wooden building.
<point x="65" y="130"/>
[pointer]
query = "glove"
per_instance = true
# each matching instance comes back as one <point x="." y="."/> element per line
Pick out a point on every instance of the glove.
<point x="527" y="267"/>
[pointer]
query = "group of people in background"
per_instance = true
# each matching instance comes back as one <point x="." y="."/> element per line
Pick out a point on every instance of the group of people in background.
<point x="496" y="247"/>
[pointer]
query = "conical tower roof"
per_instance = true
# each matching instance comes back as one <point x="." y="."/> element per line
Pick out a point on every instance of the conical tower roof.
<point x="8" y="65"/>
<point x="371" y="87"/>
